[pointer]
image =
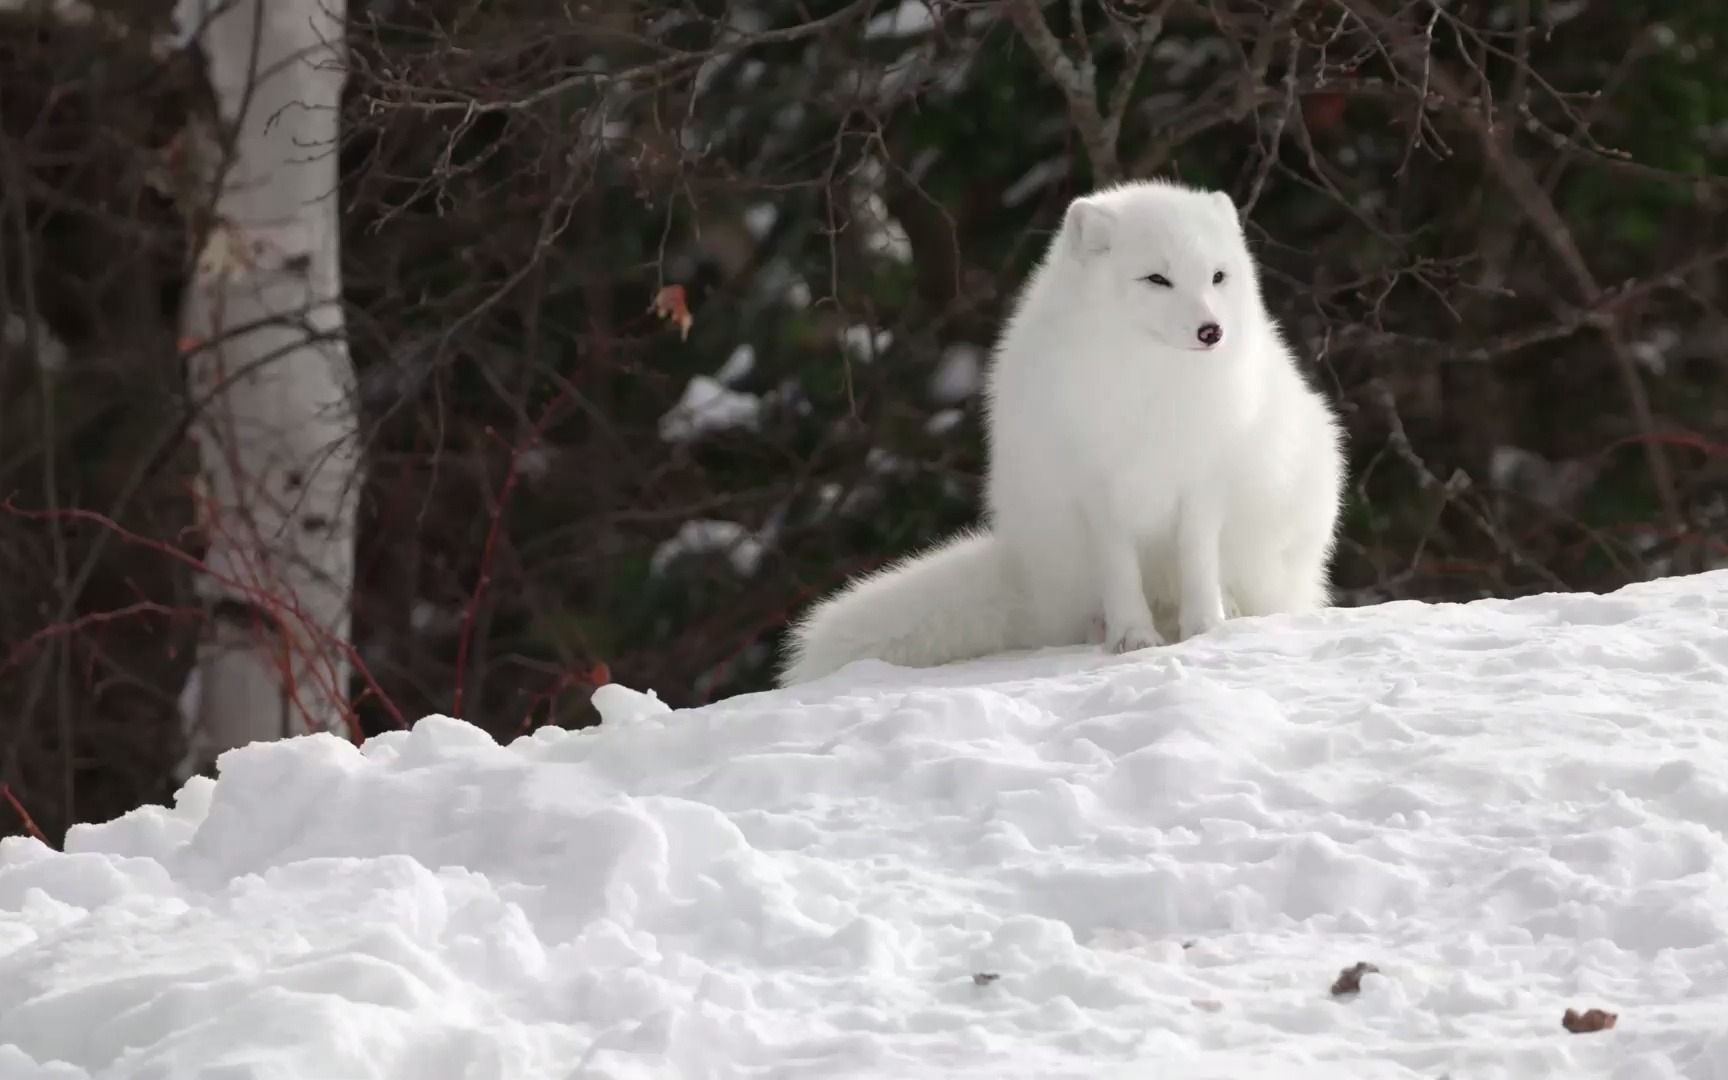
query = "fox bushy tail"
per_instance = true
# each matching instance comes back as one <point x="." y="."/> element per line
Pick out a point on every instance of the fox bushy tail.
<point x="956" y="601"/>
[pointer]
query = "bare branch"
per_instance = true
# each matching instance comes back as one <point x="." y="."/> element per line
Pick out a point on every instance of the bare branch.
<point x="674" y="64"/>
<point x="1077" y="86"/>
<point x="1519" y="182"/>
<point x="1139" y="46"/>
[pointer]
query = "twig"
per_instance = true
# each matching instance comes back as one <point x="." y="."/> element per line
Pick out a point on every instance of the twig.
<point x="511" y="473"/>
<point x="1452" y="488"/>
<point x="94" y="618"/>
<point x="682" y="61"/>
<point x="29" y="822"/>
<point x="1098" y="132"/>
<point x="1484" y="351"/>
<point x="265" y="601"/>
<point x="1521" y="184"/>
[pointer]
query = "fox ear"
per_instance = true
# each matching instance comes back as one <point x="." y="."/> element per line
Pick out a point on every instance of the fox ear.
<point x="1228" y="205"/>
<point x="1087" y="228"/>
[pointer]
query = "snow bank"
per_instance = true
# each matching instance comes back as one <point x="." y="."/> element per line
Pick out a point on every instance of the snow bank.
<point x="1053" y="866"/>
<point x="708" y="406"/>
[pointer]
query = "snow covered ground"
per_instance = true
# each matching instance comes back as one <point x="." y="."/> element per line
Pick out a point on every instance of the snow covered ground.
<point x="1062" y="865"/>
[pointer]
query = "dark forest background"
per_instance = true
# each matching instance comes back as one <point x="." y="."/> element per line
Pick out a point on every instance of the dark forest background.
<point x="1495" y="231"/>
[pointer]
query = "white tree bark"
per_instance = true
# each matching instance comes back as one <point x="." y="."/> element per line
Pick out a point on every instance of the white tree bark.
<point x="270" y="374"/>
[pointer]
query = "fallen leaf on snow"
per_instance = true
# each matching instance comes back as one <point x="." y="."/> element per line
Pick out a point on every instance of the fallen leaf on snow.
<point x="1349" y="980"/>
<point x="1582" y="1023"/>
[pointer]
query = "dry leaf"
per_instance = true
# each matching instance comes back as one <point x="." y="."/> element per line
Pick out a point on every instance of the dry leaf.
<point x="1590" y="1020"/>
<point x="1207" y="1004"/>
<point x="669" y="303"/>
<point x="1349" y="980"/>
<point x="984" y="978"/>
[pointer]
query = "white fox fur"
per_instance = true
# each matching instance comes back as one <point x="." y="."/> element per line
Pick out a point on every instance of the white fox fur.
<point x="1134" y="469"/>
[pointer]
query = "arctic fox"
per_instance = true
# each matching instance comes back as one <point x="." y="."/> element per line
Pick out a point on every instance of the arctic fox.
<point x="1157" y="463"/>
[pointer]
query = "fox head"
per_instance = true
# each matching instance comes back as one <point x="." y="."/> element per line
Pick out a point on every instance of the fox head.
<point x="1169" y="260"/>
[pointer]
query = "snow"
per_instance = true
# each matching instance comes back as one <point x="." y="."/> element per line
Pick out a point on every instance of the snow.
<point x="709" y="406"/>
<point x="944" y="421"/>
<point x="51" y="353"/>
<point x="911" y="17"/>
<point x="865" y="343"/>
<point x="1510" y="808"/>
<point x="760" y="219"/>
<point x="705" y="536"/>
<point x="959" y="375"/>
<point x="1554" y="484"/>
<point x="738" y="366"/>
<point x="622" y="705"/>
<point x="779" y="281"/>
<point x="1654" y="349"/>
<point x="883" y="235"/>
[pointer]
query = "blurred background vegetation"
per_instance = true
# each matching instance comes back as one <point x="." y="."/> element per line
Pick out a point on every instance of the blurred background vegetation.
<point x="1495" y="231"/>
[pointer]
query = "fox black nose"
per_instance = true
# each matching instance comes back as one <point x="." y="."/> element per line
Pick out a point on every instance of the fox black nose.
<point x="1211" y="333"/>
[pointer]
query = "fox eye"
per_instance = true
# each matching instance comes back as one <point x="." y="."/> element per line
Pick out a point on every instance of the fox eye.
<point x="1218" y="278"/>
<point x="1158" y="279"/>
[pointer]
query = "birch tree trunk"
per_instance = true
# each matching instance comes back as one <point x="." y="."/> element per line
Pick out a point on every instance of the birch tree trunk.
<point x="270" y="375"/>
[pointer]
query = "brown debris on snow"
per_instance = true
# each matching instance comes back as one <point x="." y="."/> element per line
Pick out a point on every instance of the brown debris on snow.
<point x="1583" y="1023"/>
<point x="1349" y="980"/>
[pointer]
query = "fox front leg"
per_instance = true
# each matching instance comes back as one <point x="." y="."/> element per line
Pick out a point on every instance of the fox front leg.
<point x="1198" y="532"/>
<point x="1127" y="617"/>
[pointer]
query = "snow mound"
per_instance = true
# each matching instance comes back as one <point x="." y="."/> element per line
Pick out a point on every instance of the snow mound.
<point x="708" y="406"/>
<point x="1056" y="865"/>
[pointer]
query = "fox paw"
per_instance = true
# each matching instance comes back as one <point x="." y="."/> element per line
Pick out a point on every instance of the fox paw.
<point x="1195" y="625"/>
<point x="1129" y="639"/>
